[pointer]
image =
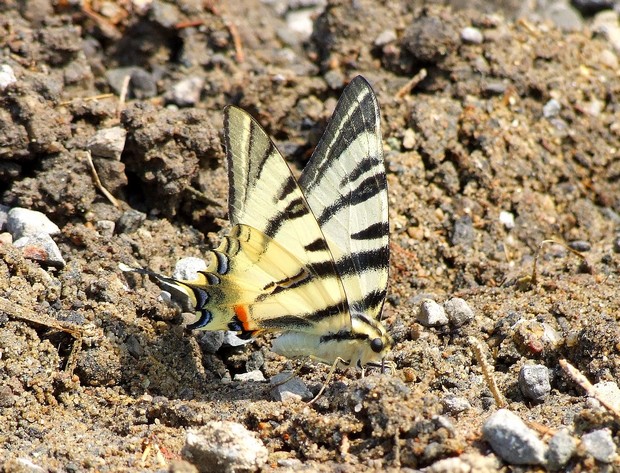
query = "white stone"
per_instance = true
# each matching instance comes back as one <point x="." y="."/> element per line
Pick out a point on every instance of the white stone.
<point x="431" y="314"/>
<point x="507" y="219"/>
<point x="225" y="447"/>
<point x="23" y="222"/>
<point x="7" y="76"/>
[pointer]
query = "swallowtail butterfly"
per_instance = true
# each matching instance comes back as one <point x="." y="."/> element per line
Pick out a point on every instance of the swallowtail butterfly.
<point x="307" y="258"/>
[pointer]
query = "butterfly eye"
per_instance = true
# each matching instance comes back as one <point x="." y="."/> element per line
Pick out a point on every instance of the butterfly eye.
<point x="376" y="345"/>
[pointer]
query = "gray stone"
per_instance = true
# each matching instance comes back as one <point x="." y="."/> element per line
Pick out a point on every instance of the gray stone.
<point x="226" y="447"/>
<point x="534" y="382"/>
<point x="130" y="221"/>
<point x="186" y="93"/>
<point x="458" y="311"/>
<point x="463" y="232"/>
<point x="256" y="376"/>
<point x="562" y="447"/>
<point x="41" y="248"/>
<point x="551" y="109"/>
<point x="580" y="245"/>
<point x="472" y="35"/>
<point x="108" y="143"/>
<point x="455" y="404"/>
<point x="431" y="314"/>
<point x="600" y="445"/>
<point x="512" y="440"/>
<point x="287" y="386"/>
<point x="210" y="341"/>
<point x="187" y="268"/>
<point x="564" y="16"/>
<point x="23" y="222"/>
<point x="141" y="84"/>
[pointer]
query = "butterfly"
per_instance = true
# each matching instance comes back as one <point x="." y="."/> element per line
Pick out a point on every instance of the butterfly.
<point x="306" y="258"/>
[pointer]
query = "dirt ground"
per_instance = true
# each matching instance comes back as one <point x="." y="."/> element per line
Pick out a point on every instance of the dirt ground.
<point x="465" y="142"/>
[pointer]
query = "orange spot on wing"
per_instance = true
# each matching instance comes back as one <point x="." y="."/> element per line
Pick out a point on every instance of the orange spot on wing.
<point x="241" y="312"/>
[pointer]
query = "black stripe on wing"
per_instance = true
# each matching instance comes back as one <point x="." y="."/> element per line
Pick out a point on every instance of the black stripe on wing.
<point x="338" y="138"/>
<point x="375" y="230"/>
<point x="362" y="261"/>
<point x="367" y="189"/>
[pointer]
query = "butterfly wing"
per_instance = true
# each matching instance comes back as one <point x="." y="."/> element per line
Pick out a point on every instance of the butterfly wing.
<point x="346" y="188"/>
<point x="265" y="196"/>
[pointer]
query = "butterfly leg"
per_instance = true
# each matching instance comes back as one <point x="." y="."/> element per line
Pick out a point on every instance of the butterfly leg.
<point x="329" y="377"/>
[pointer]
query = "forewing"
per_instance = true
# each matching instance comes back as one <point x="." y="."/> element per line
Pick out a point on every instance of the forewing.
<point x="345" y="186"/>
<point x="265" y="196"/>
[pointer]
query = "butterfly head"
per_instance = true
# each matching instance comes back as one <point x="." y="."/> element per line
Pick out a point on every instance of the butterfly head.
<point x="376" y="342"/>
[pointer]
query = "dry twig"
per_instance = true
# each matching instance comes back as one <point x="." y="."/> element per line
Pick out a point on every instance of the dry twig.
<point x="98" y="183"/>
<point x="487" y="372"/>
<point x="588" y="387"/>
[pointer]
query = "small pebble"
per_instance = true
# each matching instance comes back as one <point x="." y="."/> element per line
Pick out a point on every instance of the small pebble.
<point x="507" y="219"/>
<point x="24" y="222"/>
<point x="286" y="386"/>
<point x="458" y="311"/>
<point x="552" y="108"/>
<point x="562" y="447"/>
<point x="609" y="391"/>
<point x="431" y="314"/>
<point x="334" y="79"/>
<point x="512" y="440"/>
<point x="600" y="445"/>
<point x="4" y="216"/>
<point x="580" y="245"/>
<point x="130" y="221"/>
<point x="300" y="22"/>
<point x="385" y="37"/>
<point x="105" y="228"/>
<point x="472" y="35"/>
<point x="41" y="248"/>
<point x="7" y="76"/>
<point x="609" y="59"/>
<point x="108" y="143"/>
<point x="463" y="232"/>
<point x="409" y="139"/>
<point x="141" y="84"/>
<point x="256" y="376"/>
<point x="231" y="339"/>
<point x="534" y="382"/>
<point x="455" y="404"/>
<point x="187" y="268"/>
<point x="224" y="447"/>
<point x="617" y="244"/>
<point x="186" y="93"/>
<point x="210" y="341"/>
